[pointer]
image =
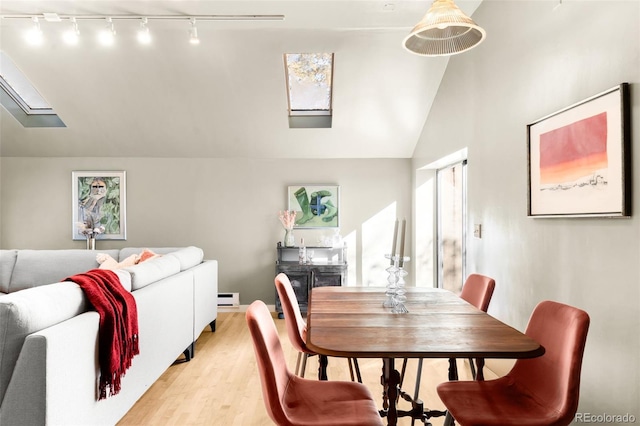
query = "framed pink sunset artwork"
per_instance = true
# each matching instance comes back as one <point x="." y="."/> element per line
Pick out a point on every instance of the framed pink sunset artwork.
<point x="579" y="159"/>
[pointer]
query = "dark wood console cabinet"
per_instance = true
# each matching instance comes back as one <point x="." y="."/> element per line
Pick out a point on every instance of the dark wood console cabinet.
<point x="329" y="268"/>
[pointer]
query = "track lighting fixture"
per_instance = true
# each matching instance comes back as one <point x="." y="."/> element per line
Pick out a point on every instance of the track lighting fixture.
<point x="144" y="36"/>
<point x="34" y="35"/>
<point x="193" y="33"/>
<point x="72" y="35"/>
<point x="107" y="36"/>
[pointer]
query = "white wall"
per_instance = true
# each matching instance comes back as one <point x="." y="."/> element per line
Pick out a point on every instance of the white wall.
<point x="535" y="61"/>
<point x="226" y="206"/>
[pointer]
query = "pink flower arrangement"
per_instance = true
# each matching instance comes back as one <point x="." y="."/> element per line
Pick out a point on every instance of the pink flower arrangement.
<point x="90" y="228"/>
<point x="288" y="219"/>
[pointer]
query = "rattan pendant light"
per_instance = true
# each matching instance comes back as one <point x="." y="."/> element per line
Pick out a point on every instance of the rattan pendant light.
<point x="444" y="30"/>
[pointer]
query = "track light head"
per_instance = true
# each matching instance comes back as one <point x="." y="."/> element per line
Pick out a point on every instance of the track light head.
<point x="193" y="32"/>
<point x="107" y="36"/>
<point x="72" y="35"/>
<point x="144" y="36"/>
<point x="34" y="34"/>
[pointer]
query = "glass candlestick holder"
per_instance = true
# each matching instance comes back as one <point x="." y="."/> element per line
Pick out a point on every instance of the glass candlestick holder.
<point x="392" y="279"/>
<point x="400" y="293"/>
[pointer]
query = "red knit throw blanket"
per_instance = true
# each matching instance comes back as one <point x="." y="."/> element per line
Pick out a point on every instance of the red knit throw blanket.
<point x="118" y="333"/>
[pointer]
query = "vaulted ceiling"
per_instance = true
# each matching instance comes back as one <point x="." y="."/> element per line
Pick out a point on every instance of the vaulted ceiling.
<point x="226" y="96"/>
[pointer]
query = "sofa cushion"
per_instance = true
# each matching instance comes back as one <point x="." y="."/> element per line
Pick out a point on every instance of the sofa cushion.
<point x="188" y="257"/>
<point x="124" y="277"/>
<point x="152" y="270"/>
<point x="7" y="262"/>
<point x="34" y="309"/>
<point x="39" y="267"/>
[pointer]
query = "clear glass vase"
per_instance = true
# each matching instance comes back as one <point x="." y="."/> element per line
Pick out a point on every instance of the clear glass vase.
<point x="289" y="239"/>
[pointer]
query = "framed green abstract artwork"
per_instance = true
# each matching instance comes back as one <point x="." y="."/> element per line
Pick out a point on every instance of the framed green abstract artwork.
<point x="316" y="206"/>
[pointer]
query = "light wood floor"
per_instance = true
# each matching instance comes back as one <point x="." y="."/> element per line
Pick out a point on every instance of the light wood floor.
<point x="221" y="386"/>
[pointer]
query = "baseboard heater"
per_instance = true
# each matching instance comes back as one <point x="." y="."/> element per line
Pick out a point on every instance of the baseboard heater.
<point x="229" y="299"/>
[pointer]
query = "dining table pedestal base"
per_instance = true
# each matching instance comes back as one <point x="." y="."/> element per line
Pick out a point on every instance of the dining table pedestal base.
<point x="390" y="381"/>
<point x="323" y="362"/>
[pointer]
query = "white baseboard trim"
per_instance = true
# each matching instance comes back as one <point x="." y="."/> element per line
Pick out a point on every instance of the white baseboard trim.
<point x="228" y="299"/>
<point x="241" y="308"/>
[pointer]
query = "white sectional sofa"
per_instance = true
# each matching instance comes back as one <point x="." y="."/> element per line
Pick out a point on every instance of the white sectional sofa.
<point x="49" y="367"/>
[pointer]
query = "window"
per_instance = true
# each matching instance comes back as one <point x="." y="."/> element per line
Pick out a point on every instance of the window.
<point x="309" y="78"/>
<point x="21" y="98"/>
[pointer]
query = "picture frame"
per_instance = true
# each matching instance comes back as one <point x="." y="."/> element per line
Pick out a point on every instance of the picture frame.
<point x="579" y="159"/>
<point x="316" y="206"/>
<point x="99" y="197"/>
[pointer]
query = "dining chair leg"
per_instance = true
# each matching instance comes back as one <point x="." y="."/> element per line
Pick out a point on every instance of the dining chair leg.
<point x="449" y="420"/>
<point x="402" y="371"/>
<point x="304" y="364"/>
<point x="351" y="369"/>
<point x="357" y="368"/>
<point x="297" y="370"/>
<point x="472" y="365"/>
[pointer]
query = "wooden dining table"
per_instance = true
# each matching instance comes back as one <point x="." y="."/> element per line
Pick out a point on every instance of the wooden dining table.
<point x="351" y="322"/>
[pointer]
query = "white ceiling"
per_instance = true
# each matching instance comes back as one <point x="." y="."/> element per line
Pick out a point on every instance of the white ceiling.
<point x="225" y="97"/>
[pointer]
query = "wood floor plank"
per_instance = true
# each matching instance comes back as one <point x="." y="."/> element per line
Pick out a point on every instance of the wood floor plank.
<point x="220" y="386"/>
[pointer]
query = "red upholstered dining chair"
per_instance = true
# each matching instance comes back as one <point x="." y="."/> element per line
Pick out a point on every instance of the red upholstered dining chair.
<point x="297" y="327"/>
<point x="477" y="290"/>
<point x="536" y="392"/>
<point x="293" y="400"/>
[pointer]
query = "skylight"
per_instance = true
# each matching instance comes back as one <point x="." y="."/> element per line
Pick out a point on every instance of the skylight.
<point x="309" y="79"/>
<point x="22" y="99"/>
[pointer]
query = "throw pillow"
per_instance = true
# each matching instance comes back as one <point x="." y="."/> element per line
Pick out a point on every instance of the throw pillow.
<point x="147" y="255"/>
<point x="108" y="262"/>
